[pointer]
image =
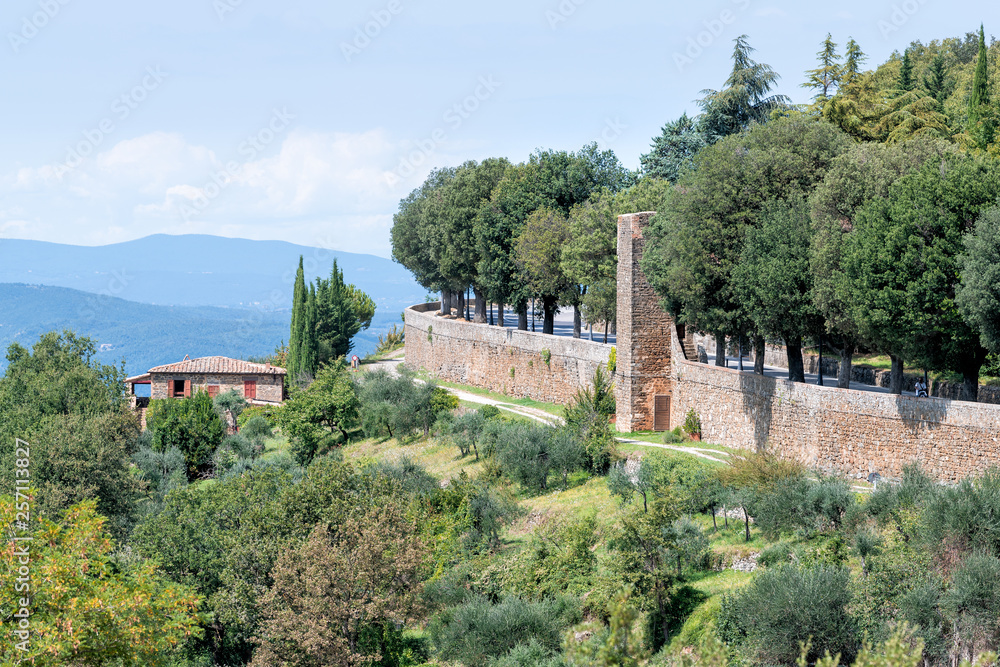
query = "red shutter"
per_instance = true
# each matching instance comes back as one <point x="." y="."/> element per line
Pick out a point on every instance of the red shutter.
<point x="213" y="390"/>
<point x="187" y="388"/>
<point x="250" y="389"/>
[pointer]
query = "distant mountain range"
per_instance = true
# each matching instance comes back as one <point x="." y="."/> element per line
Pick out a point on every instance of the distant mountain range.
<point x="154" y="300"/>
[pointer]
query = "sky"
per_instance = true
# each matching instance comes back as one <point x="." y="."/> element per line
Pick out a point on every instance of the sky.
<point x="308" y="121"/>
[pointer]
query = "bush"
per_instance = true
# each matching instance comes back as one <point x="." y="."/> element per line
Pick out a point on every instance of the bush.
<point x="478" y="630"/>
<point x="257" y="427"/>
<point x="531" y="654"/>
<point x="802" y="504"/>
<point x="784" y="607"/>
<point x="395" y="406"/>
<point x="965" y="517"/>
<point x="776" y="554"/>
<point x="692" y="422"/>
<point x="269" y="412"/>
<point x="192" y="425"/>
<point x="529" y="453"/>
<point x="412" y="478"/>
<point x="973" y="603"/>
<point x="465" y="430"/>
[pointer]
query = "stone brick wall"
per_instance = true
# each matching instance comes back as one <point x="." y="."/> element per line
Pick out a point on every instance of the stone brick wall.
<point x="841" y="430"/>
<point x="509" y="362"/>
<point x="269" y="386"/>
<point x="644" y="333"/>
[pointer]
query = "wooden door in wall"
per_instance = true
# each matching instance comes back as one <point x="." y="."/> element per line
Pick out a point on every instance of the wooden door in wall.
<point x="250" y="389"/>
<point x="661" y="412"/>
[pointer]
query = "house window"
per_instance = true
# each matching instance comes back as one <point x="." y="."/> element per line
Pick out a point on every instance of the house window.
<point x="213" y="390"/>
<point x="250" y="388"/>
<point x="177" y="389"/>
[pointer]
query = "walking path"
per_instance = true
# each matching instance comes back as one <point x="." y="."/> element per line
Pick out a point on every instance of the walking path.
<point x="541" y="416"/>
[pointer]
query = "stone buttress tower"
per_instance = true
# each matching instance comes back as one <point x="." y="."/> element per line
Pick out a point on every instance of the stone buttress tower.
<point x="643" y="381"/>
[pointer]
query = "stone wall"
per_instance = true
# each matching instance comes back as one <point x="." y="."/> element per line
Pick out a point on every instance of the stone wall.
<point x="517" y="363"/>
<point x="840" y="430"/>
<point x="644" y="334"/>
<point x="269" y="386"/>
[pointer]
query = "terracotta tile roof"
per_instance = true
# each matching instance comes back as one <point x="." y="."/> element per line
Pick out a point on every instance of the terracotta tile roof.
<point x="219" y="365"/>
<point x="138" y="378"/>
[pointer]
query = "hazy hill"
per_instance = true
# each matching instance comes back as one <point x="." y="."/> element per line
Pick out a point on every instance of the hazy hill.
<point x="147" y="335"/>
<point x="199" y="270"/>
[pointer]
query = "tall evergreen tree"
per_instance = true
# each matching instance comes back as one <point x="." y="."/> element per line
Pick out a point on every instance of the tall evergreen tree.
<point x="855" y="58"/>
<point x="906" y="73"/>
<point x="827" y="76"/>
<point x="295" y="340"/>
<point x="308" y="364"/>
<point x="935" y="81"/>
<point x="746" y="98"/>
<point x="982" y="118"/>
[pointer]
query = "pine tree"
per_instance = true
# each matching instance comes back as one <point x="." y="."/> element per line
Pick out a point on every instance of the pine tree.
<point x="934" y="81"/>
<point x="745" y="99"/>
<point x="906" y="73"/>
<point x="828" y="75"/>
<point x="295" y="340"/>
<point x="852" y="66"/>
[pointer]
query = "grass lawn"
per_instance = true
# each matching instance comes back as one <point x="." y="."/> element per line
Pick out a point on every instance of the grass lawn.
<point x="551" y="408"/>
<point x="438" y="457"/>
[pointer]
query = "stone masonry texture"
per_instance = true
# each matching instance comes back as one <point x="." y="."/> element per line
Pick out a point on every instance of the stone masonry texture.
<point x="644" y="334"/>
<point x="509" y="362"/>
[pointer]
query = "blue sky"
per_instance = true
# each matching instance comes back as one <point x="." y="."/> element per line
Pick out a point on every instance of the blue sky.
<point x="308" y="121"/>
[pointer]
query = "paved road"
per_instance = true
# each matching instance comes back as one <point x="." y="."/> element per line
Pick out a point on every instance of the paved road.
<point x="811" y="378"/>
<point x="563" y="325"/>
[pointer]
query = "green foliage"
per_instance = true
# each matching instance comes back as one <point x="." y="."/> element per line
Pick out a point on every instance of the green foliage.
<point x="230" y="405"/>
<point x="192" y="425"/>
<point x="257" y="427"/>
<point x="978" y="294"/>
<point x="827" y="76"/>
<point x="86" y="608"/>
<point x="547" y="356"/>
<point x="325" y="318"/>
<point x="692" y="422"/>
<point x="745" y="99"/>
<point x="396" y="406"/>
<point x="391" y="340"/>
<point x="799" y="504"/>
<point x="612" y="361"/>
<point x="322" y="415"/>
<point x="269" y="412"/>
<point x="529" y="453"/>
<point x="786" y="606"/>
<point x="673" y="151"/>
<point x="81" y="432"/>
<point x="621" y="646"/>
<point x="477" y="630"/>
<point x="162" y="471"/>
<point x="973" y="603"/>
<point x="964" y="517"/>
<point x="904" y="251"/>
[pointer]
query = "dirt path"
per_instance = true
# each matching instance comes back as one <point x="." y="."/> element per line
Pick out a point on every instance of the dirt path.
<point x="541" y="416"/>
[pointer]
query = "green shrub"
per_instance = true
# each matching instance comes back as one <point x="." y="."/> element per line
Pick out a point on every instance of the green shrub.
<point x="268" y="412"/>
<point x="692" y="422"/>
<point x="478" y="630"/>
<point x="776" y="554"/>
<point x="965" y="517"/>
<point x="530" y="654"/>
<point x="256" y="427"/>
<point x="785" y="606"/>
<point x="674" y="437"/>
<point x="490" y="412"/>
<point x="192" y="425"/>
<point x="973" y="603"/>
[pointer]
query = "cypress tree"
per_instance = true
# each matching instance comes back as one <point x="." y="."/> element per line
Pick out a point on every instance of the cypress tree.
<point x="310" y="346"/>
<point x="295" y="340"/>
<point x="981" y="118"/>
<point x="980" y="83"/>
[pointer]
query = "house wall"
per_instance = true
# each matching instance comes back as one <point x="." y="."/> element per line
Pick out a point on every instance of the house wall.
<point x="269" y="386"/>
<point x="494" y="358"/>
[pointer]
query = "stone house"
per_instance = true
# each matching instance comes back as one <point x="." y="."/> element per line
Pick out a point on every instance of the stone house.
<point x="260" y="384"/>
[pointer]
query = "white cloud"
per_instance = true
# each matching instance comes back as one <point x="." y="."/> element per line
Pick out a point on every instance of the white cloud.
<point x="318" y="188"/>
